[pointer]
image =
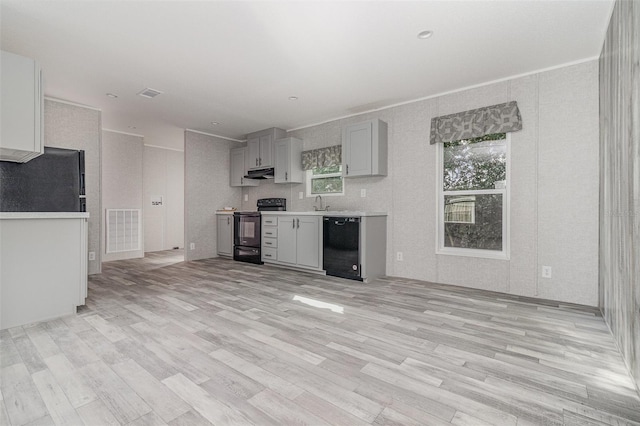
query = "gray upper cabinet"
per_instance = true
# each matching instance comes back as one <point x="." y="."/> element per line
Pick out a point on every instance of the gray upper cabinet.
<point x="22" y="137"/>
<point x="364" y="149"/>
<point x="260" y="147"/>
<point x="288" y="161"/>
<point x="238" y="162"/>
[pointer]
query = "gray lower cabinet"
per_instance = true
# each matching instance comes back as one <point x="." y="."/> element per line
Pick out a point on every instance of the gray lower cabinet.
<point x="225" y="234"/>
<point x="293" y="241"/>
<point x="287" y="240"/>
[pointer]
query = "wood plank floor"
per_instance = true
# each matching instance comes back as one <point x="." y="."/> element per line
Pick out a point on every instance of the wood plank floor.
<point x="221" y="342"/>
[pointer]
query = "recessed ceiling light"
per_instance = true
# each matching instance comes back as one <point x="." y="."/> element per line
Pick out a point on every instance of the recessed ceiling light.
<point x="214" y="123"/>
<point x="111" y="95"/>
<point x="425" y="34"/>
<point x="293" y="98"/>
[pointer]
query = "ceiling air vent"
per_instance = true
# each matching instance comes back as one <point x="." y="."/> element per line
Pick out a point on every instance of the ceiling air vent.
<point x="149" y="93"/>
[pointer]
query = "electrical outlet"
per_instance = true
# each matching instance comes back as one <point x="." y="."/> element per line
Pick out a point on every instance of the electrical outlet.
<point x="192" y="246"/>
<point x="363" y="193"/>
<point x="246" y="197"/>
<point x="546" y="272"/>
<point x="301" y="195"/>
<point x="399" y="256"/>
<point x="92" y="255"/>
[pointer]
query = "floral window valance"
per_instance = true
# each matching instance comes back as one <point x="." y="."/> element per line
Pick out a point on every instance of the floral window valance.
<point x="322" y="157"/>
<point x="501" y="118"/>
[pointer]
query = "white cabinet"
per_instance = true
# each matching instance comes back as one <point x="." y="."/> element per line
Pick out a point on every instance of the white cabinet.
<point x="293" y="241"/>
<point x="225" y="234"/>
<point x="22" y="93"/>
<point x="288" y="161"/>
<point x="260" y="148"/>
<point x="364" y="149"/>
<point x="238" y="161"/>
<point x="43" y="266"/>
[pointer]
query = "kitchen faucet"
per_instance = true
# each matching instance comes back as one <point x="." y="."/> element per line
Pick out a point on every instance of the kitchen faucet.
<point x="318" y="197"/>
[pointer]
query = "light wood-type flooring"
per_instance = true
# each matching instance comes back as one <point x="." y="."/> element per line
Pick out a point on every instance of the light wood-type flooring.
<point x="222" y="342"/>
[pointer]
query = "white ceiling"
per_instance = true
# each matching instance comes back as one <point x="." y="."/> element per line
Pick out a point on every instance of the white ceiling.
<point x="237" y="63"/>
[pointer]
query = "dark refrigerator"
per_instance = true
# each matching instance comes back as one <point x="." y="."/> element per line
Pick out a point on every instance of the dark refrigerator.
<point x="51" y="182"/>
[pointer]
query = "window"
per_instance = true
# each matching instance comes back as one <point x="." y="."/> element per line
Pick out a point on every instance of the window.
<point x="325" y="181"/>
<point x="473" y="196"/>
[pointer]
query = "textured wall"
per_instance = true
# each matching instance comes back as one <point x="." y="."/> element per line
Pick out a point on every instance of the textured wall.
<point x="75" y="127"/>
<point x="206" y="178"/>
<point x="568" y="183"/>
<point x="620" y="180"/>
<point x="554" y="187"/>
<point x="121" y="182"/>
<point x="163" y="175"/>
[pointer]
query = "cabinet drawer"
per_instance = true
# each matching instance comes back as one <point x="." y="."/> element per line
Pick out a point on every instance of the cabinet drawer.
<point x="270" y="242"/>
<point x="269" y="253"/>
<point x="269" y="232"/>
<point x="269" y="221"/>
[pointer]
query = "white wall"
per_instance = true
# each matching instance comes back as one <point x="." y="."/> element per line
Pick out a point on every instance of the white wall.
<point x="163" y="176"/>
<point x="554" y="187"/>
<point x="207" y="190"/>
<point x="121" y="182"/>
<point x="67" y="125"/>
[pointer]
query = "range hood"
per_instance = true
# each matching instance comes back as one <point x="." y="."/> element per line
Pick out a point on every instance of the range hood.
<point x="267" y="173"/>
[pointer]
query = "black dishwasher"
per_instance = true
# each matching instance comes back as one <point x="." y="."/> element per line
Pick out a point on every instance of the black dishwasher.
<point x="341" y="251"/>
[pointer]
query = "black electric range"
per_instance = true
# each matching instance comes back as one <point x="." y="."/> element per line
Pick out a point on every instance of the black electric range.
<point x="247" y="230"/>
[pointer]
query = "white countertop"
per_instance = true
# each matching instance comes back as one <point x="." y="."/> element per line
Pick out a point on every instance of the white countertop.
<point x="225" y="211"/>
<point x="337" y="213"/>
<point x="44" y="215"/>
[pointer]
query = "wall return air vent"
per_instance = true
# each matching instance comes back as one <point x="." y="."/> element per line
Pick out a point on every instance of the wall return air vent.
<point x="149" y="93"/>
<point x="123" y="230"/>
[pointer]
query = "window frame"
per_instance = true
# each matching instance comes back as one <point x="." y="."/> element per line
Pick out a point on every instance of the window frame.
<point x="504" y="254"/>
<point x="309" y="176"/>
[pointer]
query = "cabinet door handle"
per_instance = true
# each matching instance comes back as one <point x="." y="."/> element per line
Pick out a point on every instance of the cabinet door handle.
<point x="286" y="175"/>
<point x="228" y="221"/>
<point x="260" y="161"/>
<point x="293" y="223"/>
<point x="298" y="221"/>
<point x="347" y="169"/>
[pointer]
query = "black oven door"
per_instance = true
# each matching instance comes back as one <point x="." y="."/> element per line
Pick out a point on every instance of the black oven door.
<point x="246" y="229"/>
<point x="247" y="254"/>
